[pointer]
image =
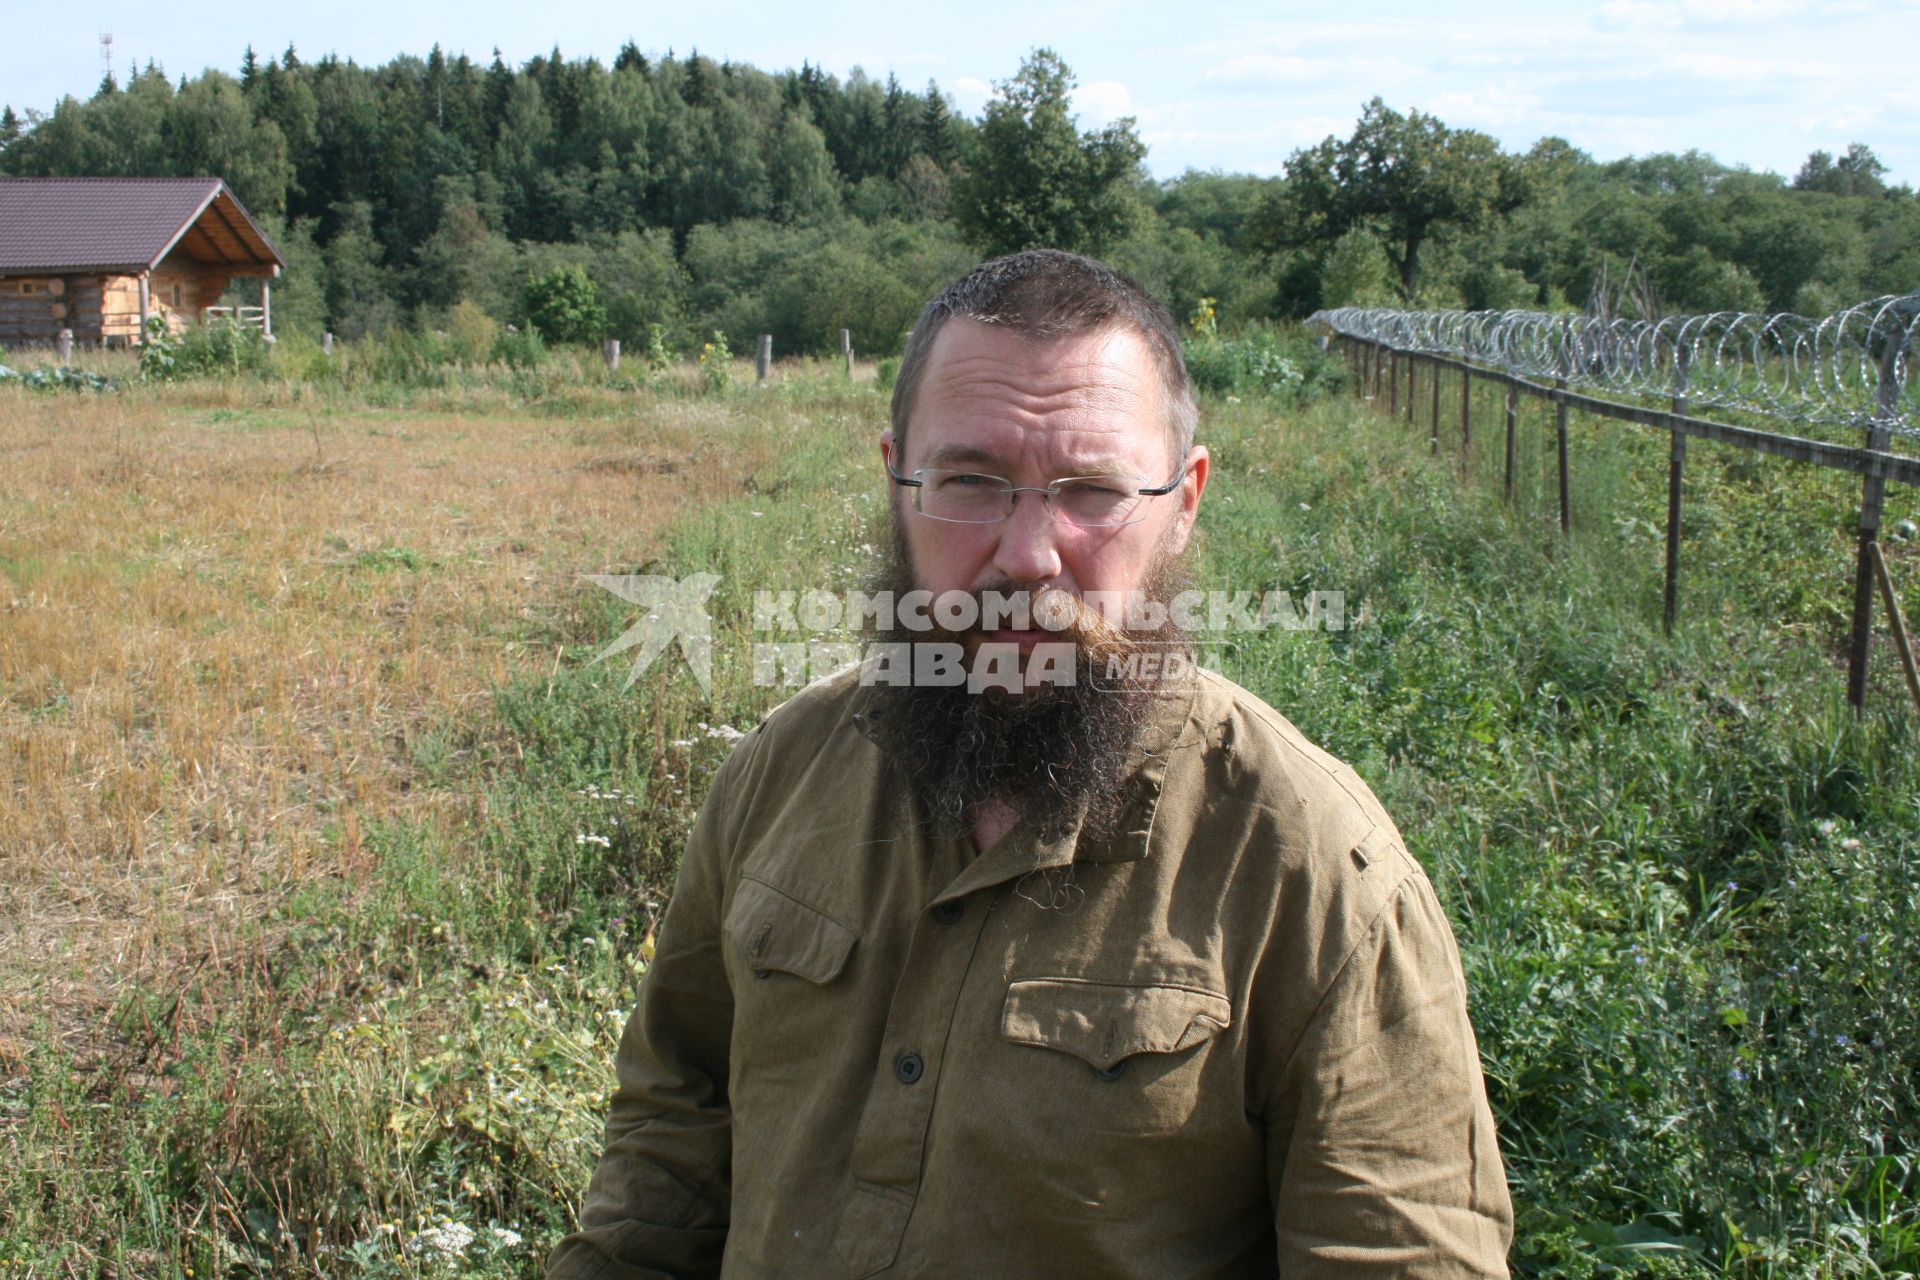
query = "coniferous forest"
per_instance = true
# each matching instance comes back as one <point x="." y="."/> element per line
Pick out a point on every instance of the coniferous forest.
<point x="701" y="195"/>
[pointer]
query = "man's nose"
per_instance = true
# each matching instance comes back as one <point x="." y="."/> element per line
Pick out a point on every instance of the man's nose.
<point x="1028" y="550"/>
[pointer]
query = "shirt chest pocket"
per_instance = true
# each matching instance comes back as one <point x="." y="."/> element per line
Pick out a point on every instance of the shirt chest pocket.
<point x="1126" y="1058"/>
<point x="775" y="934"/>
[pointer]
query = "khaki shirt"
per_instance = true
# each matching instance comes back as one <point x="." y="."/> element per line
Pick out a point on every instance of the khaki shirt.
<point x="1230" y="1041"/>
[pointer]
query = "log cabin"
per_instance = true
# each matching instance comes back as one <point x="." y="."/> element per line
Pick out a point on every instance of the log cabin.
<point x="98" y="256"/>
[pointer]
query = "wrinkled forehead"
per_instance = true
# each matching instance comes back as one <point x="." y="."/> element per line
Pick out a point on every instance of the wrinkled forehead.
<point x="1092" y="402"/>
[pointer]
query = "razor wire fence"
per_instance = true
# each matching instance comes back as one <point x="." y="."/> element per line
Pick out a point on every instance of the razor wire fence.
<point x="1853" y="367"/>
<point x="1849" y="371"/>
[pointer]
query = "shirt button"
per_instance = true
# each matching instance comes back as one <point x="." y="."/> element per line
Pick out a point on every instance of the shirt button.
<point x="1113" y="1072"/>
<point x="908" y="1068"/>
<point x="949" y="912"/>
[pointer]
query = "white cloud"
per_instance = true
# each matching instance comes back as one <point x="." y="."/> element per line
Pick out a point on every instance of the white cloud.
<point x="971" y="95"/>
<point x="1103" y="101"/>
<point x="1718" y="66"/>
<point x="1488" y="107"/>
<point x="1637" y="15"/>
<point x="1267" y="68"/>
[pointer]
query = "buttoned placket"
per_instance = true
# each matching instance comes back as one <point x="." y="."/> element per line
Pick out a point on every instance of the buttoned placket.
<point x="890" y="1145"/>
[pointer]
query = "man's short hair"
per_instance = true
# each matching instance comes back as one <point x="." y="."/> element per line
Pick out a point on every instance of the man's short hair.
<point x="1048" y="293"/>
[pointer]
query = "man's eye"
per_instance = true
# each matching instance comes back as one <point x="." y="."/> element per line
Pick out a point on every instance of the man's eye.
<point x="963" y="480"/>
<point x="1089" y="488"/>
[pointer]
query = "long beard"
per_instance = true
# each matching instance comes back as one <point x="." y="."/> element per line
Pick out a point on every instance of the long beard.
<point x="1056" y="754"/>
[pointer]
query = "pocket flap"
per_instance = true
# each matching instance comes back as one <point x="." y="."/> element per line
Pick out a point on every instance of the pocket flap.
<point x="1102" y="1022"/>
<point x="774" y="931"/>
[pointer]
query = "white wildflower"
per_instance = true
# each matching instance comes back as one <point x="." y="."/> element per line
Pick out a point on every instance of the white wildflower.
<point x="448" y="1239"/>
<point x="602" y="841"/>
<point x="506" y="1237"/>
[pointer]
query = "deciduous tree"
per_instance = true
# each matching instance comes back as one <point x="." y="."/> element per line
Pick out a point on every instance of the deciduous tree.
<point x="1035" y="180"/>
<point x="1404" y="178"/>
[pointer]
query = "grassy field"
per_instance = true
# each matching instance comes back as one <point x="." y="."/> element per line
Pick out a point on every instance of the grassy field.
<point x="331" y="858"/>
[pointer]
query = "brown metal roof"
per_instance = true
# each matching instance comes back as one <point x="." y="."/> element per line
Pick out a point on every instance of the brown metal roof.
<point x="126" y="224"/>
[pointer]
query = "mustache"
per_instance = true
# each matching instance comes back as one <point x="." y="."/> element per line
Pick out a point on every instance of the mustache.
<point x="1006" y="606"/>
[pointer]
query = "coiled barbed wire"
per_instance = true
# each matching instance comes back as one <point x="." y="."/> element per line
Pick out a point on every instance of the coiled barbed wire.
<point x="1854" y="366"/>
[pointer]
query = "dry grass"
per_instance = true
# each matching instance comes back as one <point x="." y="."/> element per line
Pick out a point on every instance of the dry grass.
<point x="227" y="634"/>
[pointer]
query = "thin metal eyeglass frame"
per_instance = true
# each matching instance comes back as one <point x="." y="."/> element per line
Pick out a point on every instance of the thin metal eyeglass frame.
<point x="1048" y="492"/>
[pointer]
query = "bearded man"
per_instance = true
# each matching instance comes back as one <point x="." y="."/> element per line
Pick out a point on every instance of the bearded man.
<point x="1074" y="977"/>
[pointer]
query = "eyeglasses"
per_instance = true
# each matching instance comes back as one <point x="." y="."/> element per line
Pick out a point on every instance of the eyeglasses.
<point x="1085" y="502"/>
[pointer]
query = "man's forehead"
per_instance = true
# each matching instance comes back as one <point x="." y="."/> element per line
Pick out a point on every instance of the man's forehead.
<point x="990" y="393"/>
<point x="1094" y="456"/>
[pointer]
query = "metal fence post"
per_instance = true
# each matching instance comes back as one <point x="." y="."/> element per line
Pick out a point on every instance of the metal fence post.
<point x="1676" y="462"/>
<point x="1466" y="417"/>
<point x="1433" y="416"/>
<point x="1560" y="422"/>
<point x="1872" y="492"/>
<point x="1513" y="417"/>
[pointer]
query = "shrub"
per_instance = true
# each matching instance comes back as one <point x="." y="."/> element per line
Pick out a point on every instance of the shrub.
<point x="471" y="332"/>
<point x="219" y="349"/>
<point x="1258" y="363"/>
<point x="563" y="306"/>
<point x="520" y="348"/>
<point x="716" y="363"/>
<point x="660" y="355"/>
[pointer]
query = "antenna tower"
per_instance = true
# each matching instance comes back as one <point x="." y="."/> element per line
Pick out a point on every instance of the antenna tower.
<point x="106" y="53"/>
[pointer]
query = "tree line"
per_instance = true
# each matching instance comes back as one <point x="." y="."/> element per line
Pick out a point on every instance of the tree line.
<point x="699" y="195"/>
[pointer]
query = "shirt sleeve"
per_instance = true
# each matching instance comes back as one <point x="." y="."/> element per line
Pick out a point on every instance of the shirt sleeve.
<point x="1381" y="1147"/>
<point x="657" y="1208"/>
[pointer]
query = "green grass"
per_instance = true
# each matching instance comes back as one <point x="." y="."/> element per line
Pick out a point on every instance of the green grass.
<point x="1685" y="880"/>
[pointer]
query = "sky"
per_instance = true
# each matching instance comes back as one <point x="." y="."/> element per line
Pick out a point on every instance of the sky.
<point x="1232" y="86"/>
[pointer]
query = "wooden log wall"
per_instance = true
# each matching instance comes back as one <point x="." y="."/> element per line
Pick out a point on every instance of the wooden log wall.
<point x="182" y="286"/>
<point x="33" y="309"/>
<point x="119" y="309"/>
<point x="101" y="310"/>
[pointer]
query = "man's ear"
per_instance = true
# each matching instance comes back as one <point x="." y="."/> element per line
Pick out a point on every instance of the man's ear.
<point x="1188" y="494"/>
<point x="886" y="447"/>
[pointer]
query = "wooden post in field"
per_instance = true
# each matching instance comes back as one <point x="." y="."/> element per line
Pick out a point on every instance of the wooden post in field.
<point x="1513" y="424"/>
<point x="326" y="345"/>
<point x="846" y="350"/>
<point x="763" y="359"/>
<point x="1413" y="378"/>
<point x="266" y="309"/>
<point x="1393" y="382"/>
<point x="63" y="347"/>
<point x="1560" y="423"/>
<point x="1466" y="416"/>
<point x="610" y="352"/>
<point x="146" y="306"/>
<point x="1872" y="492"/>
<point x="1676" y="463"/>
